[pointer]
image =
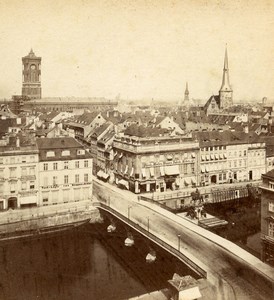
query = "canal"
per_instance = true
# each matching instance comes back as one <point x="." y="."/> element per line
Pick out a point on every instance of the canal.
<point x="83" y="263"/>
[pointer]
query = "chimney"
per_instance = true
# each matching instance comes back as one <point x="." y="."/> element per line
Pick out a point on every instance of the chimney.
<point x="17" y="142"/>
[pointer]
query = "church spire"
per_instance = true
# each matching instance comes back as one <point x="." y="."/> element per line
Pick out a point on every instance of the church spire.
<point x="186" y="99"/>
<point x="225" y="83"/>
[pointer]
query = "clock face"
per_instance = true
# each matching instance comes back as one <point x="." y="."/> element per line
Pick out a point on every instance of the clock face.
<point x="32" y="67"/>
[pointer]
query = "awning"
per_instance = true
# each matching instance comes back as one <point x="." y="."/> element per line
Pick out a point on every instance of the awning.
<point x="126" y="169"/>
<point x="187" y="182"/>
<point x="193" y="181"/>
<point x="28" y="200"/>
<point x="124" y="183"/>
<point x="102" y="174"/>
<point x="206" y="169"/>
<point x="207" y="157"/>
<point x="211" y="156"/>
<point x="115" y="153"/>
<point x="169" y="157"/>
<point x="172" y="170"/>
<point x="193" y="155"/>
<point x="162" y="171"/>
<point x="144" y="173"/>
<point x="131" y="172"/>
<point x="225" y="155"/>
<point x="120" y="156"/>
<point x="203" y="157"/>
<point x="151" y="172"/>
<point x="221" y="156"/>
<point x="216" y="156"/>
<point x="202" y="169"/>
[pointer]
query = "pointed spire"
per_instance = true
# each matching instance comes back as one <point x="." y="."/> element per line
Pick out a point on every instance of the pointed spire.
<point x="186" y="91"/>
<point x="225" y="82"/>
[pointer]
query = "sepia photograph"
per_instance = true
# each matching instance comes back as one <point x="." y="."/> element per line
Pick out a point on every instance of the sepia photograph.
<point x="137" y="150"/>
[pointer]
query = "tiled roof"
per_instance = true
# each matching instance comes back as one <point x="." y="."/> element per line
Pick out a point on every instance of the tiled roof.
<point x="142" y="131"/>
<point x="58" y="145"/>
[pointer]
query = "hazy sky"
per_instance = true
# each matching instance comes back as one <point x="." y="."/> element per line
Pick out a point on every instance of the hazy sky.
<point x="140" y="49"/>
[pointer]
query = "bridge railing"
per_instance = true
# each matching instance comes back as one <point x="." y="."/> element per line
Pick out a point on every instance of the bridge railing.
<point x="156" y="239"/>
<point x="156" y="202"/>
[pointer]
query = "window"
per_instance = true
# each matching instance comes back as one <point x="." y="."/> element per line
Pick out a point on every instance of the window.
<point x="50" y="154"/>
<point x="65" y="164"/>
<point x="271" y="206"/>
<point x="12" y="187"/>
<point x="1" y="173"/>
<point x="244" y="152"/>
<point x="54" y="180"/>
<point x="32" y="185"/>
<point x="55" y="166"/>
<point x="24" y="172"/>
<point x="80" y="152"/>
<point x="65" y="153"/>
<point x="271" y="229"/>
<point x="185" y="168"/>
<point x="86" y="163"/>
<point x="24" y="159"/>
<point x="45" y="197"/>
<point x="32" y="171"/>
<point x="77" y="164"/>
<point x="1" y="160"/>
<point x="66" y="179"/>
<point x="24" y="186"/>
<point x="45" y="181"/>
<point x="224" y="176"/>
<point x="45" y="167"/>
<point x="77" y="178"/>
<point x="220" y="177"/>
<point x="12" y="160"/>
<point x="12" y="172"/>
<point x="32" y="158"/>
<point x="85" y="177"/>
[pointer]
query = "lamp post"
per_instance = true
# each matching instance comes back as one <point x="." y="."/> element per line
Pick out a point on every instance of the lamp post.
<point x="179" y="241"/>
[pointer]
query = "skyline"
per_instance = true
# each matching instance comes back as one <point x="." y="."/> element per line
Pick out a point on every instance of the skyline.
<point x="139" y="50"/>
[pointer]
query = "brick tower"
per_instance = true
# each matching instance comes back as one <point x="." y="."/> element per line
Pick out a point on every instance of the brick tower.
<point x="31" y="76"/>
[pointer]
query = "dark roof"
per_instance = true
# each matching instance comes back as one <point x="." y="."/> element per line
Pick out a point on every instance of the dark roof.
<point x="269" y="174"/>
<point x="142" y="131"/>
<point x="217" y="99"/>
<point x="58" y="145"/>
<point x="212" y="138"/>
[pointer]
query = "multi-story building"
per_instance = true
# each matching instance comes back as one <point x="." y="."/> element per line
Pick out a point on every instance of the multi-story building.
<point x="228" y="157"/>
<point x="147" y="164"/>
<point x="65" y="171"/>
<point x="18" y="174"/>
<point x="267" y="217"/>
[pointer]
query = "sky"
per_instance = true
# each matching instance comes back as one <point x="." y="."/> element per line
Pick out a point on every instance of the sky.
<point x="139" y="49"/>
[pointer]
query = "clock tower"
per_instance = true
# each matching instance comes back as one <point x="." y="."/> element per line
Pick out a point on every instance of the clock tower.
<point x="31" y="76"/>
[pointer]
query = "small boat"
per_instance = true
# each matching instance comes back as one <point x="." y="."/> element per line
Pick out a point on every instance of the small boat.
<point x="151" y="257"/>
<point x="111" y="228"/>
<point x="129" y="242"/>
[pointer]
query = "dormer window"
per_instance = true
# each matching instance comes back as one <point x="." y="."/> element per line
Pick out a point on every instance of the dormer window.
<point x="50" y="154"/>
<point x="81" y="152"/>
<point x="65" y="153"/>
<point x="271" y="185"/>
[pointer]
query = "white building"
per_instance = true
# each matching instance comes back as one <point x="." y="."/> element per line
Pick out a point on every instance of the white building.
<point x="18" y="175"/>
<point x="65" y="171"/>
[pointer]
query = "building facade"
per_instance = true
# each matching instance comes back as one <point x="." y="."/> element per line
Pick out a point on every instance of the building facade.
<point x="18" y="175"/>
<point x="155" y="164"/>
<point x="31" y="76"/>
<point x="65" y="171"/>
<point x="267" y="217"/>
